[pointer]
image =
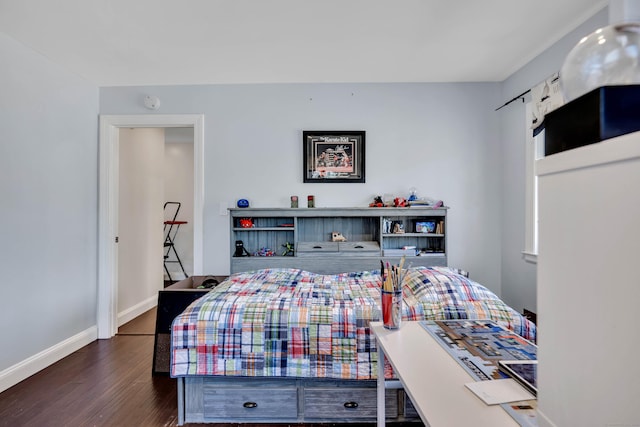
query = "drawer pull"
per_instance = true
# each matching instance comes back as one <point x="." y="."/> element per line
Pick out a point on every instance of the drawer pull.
<point x="250" y="405"/>
<point x="359" y="247"/>
<point x="317" y="247"/>
<point x="351" y="405"/>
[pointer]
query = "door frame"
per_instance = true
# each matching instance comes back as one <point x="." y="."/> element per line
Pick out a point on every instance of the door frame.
<point x="108" y="145"/>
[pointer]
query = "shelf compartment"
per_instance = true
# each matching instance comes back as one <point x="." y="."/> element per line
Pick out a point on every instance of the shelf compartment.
<point x="261" y="223"/>
<point x="273" y="239"/>
<point x="414" y="224"/>
<point x="422" y="243"/>
<point x="354" y="229"/>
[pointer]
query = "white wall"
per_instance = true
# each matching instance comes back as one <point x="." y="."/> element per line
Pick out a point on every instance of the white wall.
<point x="179" y="187"/>
<point x="518" y="276"/>
<point x="48" y="210"/>
<point x="588" y="288"/>
<point x="140" y="219"/>
<point x="441" y="138"/>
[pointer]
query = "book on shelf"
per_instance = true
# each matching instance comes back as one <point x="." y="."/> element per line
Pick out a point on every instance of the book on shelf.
<point x="422" y="203"/>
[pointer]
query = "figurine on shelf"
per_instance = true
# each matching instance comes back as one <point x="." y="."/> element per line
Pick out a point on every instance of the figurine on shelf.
<point x="288" y="249"/>
<point x="377" y="202"/>
<point x="337" y="236"/>
<point x="398" y="228"/>
<point x="413" y="194"/>
<point x="246" y="223"/>
<point x="400" y="202"/>
<point x="264" y="252"/>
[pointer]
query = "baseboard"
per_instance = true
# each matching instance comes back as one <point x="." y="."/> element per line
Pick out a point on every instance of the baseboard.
<point x="135" y="311"/>
<point x="23" y="370"/>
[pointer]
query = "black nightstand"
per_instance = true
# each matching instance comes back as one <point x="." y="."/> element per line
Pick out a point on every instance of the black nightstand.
<point x="172" y="301"/>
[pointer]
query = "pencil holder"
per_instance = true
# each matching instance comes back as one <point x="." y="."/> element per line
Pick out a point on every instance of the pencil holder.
<point x="391" y="308"/>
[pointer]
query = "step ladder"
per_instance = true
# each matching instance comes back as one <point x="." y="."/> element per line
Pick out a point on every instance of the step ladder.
<point x="171" y="228"/>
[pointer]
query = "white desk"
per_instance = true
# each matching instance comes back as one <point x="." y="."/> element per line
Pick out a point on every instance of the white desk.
<point x="434" y="381"/>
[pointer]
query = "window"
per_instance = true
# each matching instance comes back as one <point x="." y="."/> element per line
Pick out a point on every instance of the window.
<point x="534" y="151"/>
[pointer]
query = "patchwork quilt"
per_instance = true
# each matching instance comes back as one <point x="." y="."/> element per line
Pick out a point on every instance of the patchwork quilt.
<point x="293" y="323"/>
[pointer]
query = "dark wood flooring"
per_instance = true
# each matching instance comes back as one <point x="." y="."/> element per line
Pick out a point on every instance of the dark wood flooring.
<point x="106" y="383"/>
<point x="145" y="324"/>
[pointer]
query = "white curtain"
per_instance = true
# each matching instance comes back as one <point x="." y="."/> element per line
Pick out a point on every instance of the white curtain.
<point x="545" y="97"/>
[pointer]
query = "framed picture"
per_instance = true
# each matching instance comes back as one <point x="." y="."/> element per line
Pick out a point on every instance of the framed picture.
<point x="333" y="156"/>
<point x="426" y="226"/>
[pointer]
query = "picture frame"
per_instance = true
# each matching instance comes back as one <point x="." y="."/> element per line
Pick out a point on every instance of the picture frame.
<point x="426" y="226"/>
<point x="333" y="156"/>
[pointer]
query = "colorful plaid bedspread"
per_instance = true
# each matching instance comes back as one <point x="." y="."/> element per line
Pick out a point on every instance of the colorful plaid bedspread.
<point x="293" y="323"/>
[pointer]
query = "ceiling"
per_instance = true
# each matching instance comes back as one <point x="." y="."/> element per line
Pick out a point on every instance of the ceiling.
<point x="172" y="42"/>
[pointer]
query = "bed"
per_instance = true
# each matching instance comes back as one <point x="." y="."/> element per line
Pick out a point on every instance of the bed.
<point x="287" y="345"/>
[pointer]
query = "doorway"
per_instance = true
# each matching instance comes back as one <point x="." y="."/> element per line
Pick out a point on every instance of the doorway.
<point x="152" y="165"/>
<point x="107" y="321"/>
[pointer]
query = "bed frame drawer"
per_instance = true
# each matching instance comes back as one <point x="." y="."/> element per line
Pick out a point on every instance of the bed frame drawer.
<point x="250" y="403"/>
<point x="346" y="403"/>
<point x="285" y="400"/>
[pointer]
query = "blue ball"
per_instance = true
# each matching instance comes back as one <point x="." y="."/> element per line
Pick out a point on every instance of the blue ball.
<point x="243" y="203"/>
